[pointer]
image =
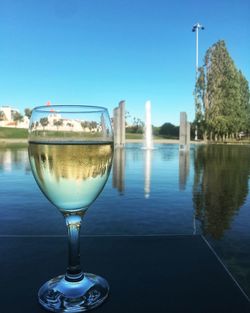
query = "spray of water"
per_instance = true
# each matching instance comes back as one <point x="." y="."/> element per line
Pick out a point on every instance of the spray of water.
<point x="148" y="138"/>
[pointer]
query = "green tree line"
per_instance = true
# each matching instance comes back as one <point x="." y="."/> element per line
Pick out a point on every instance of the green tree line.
<point x="221" y="96"/>
<point x="136" y="126"/>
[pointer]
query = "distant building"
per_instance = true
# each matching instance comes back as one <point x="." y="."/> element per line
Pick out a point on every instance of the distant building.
<point x="53" y="117"/>
<point x="24" y="123"/>
<point x="7" y="113"/>
<point x="7" y="117"/>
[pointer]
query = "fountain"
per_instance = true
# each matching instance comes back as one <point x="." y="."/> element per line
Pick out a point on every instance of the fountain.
<point x="148" y="146"/>
<point x="148" y="140"/>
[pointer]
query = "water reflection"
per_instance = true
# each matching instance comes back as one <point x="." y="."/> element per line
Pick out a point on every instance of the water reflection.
<point x="211" y="181"/>
<point x="220" y="186"/>
<point x="119" y="165"/>
<point x="12" y="158"/>
<point x="6" y="160"/>
<point x="183" y="168"/>
<point x="147" y="172"/>
<point x="168" y="152"/>
<point x="118" y="179"/>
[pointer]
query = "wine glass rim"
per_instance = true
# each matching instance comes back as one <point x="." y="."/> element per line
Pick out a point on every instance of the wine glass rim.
<point x="71" y="108"/>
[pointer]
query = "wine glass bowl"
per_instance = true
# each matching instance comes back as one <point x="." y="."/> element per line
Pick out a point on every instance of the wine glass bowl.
<point x="70" y="152"/>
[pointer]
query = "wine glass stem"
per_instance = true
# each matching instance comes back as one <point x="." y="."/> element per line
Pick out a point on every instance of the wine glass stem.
<point x="74" y="272"/>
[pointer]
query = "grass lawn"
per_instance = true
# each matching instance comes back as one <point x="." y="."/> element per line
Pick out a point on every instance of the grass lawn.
<point x="134" y="136"/>
<point x="13" y="133"/>
<point x="141" y="136"/>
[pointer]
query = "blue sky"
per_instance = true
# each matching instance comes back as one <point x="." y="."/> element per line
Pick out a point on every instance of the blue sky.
<point x="102" y="51"/>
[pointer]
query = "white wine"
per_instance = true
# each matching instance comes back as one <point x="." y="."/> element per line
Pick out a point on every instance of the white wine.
<point x="71" y="152"/>
<point x="71" y="175"/>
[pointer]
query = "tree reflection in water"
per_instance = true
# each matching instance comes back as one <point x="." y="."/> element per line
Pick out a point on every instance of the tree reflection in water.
<point x="220" y="185"/>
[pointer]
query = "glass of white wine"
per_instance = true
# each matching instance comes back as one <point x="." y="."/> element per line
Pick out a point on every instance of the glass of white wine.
<point x="70" y="152"/>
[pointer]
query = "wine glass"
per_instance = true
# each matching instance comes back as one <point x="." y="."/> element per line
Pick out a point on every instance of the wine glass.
<point x="70" y="152"/>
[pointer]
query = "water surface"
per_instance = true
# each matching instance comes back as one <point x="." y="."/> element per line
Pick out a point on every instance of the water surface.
<point x="160" y="191"/>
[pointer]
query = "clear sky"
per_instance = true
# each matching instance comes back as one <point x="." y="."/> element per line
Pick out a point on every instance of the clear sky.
<point x="102" y="51"/>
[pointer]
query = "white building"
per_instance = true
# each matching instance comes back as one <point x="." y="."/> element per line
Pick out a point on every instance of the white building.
<point x="7" y="117"/>
<point x="7" y="113"/>
<point x="24" y="123"/>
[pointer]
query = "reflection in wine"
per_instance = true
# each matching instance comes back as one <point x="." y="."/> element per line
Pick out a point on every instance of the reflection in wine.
<point x="71" y="175"/>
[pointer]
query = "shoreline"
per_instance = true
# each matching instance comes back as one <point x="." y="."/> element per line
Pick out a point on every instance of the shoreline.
<point x="161" y="141"/>
<point x="13" y="140"/>
<point x="24" y="141"/>
<point x="166" y="141"/>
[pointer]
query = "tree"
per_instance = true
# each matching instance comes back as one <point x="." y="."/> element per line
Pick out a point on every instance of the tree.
<point x="2" y="116"/>
<point x="156" y="130"/>
<point x="44" y="122"/>
<point x="70" y="125"/>
<point x="85" y="124"/>
<point x="222" y="90"/>
<point x="17" y="117"/>
<point x="127" y="117"/>
<point x="93" y="125"/>
<point x="244" y="103"/>
<point x="200" y="102"/>
<point x="27" y="112"/>
<point x="58" y="123"/>
<point x="137" y="127"/>
<point x="222" y="95"/>
<point x="248" y="120"/>
<point x="170" y="130"/>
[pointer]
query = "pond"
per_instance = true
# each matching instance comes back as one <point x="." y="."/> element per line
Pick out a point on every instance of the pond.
<point x="160" y="191"/>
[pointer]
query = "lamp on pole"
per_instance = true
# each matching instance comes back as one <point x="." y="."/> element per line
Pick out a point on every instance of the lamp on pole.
<point x="195" y="29"/>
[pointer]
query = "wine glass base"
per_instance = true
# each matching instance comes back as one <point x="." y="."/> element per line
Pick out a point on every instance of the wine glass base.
<point x="60" y="295"/>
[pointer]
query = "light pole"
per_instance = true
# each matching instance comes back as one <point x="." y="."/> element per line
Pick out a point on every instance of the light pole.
<point x="195" y="29"/>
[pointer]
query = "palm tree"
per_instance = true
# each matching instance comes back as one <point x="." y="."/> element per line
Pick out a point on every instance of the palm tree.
<point x="17" y="117"/>
<point x="2" y="116"/>
<point x="44" y="122"/>
<point x="58" y="123"/>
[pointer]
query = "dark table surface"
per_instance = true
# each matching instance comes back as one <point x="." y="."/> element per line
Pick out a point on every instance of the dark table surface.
<point x="157" y="274"/>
